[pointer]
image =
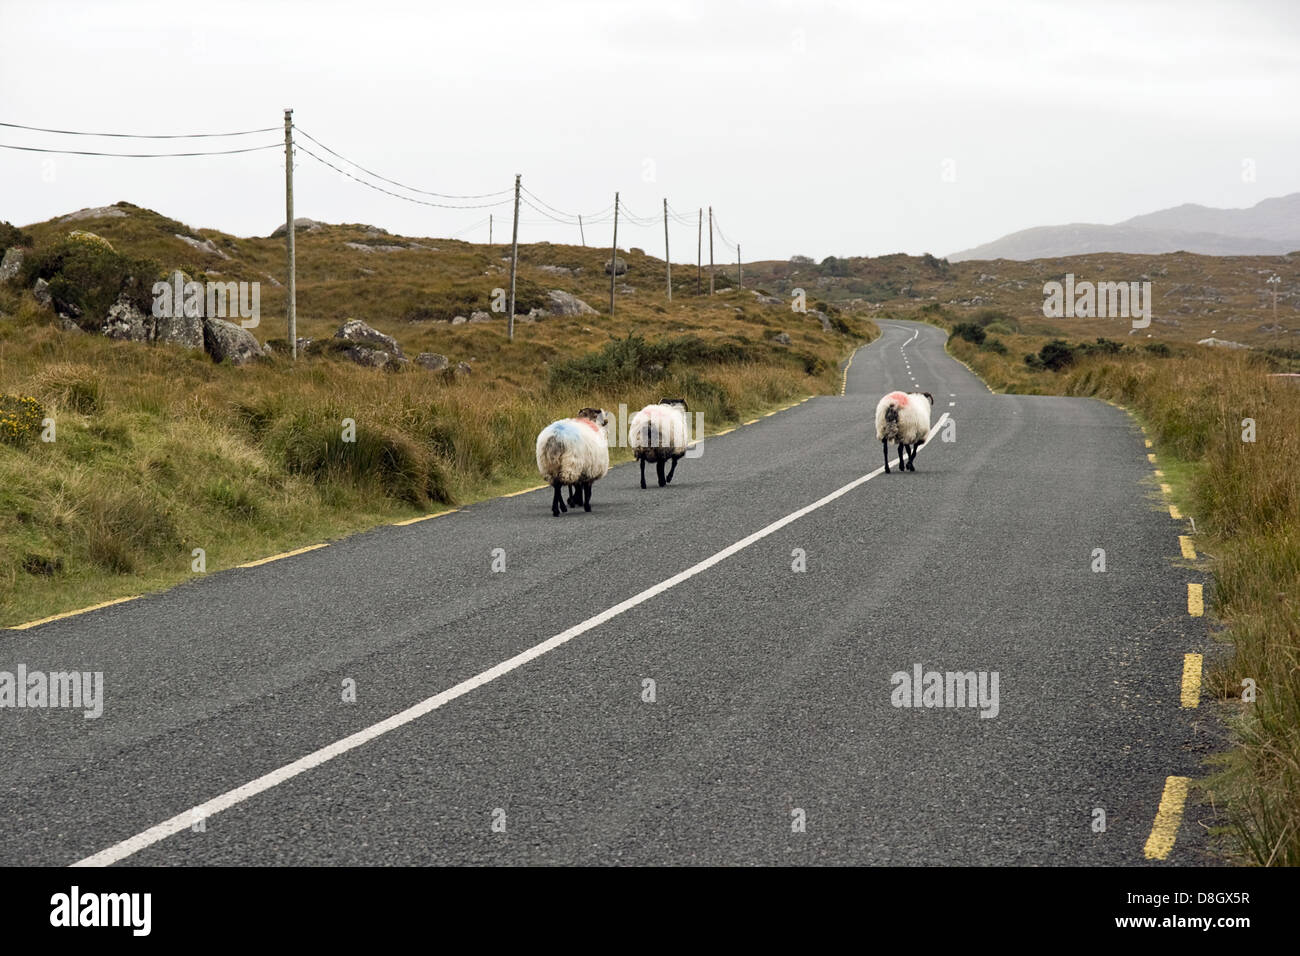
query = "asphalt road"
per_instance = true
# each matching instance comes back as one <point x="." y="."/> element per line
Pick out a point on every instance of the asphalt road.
<point x="772" y="688"/>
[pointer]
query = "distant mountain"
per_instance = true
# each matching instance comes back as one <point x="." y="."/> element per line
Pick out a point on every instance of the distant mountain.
<point x="1270" y="227"/>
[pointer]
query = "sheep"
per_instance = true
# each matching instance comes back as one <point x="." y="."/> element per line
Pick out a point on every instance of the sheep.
<point x="660" y="433"/>
<point x="574" y="452"/>
<point x="904" y="419"/>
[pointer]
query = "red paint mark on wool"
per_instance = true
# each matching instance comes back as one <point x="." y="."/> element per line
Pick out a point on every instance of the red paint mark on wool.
<point x="898" y="398"/>
<point x="588" y="422"/>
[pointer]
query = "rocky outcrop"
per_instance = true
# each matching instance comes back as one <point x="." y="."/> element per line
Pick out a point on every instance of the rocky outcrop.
<point x="618" y="266"/>
<point x="97" y="212"/>
<point x="480" y="317"/>
<point x="12" y="262"/>
<point x="299" y="225"/>
<point x="354" y="330"/>
<point x="227" y="342"/>
<point x="432" y="361"/>
<point x="202" y="245"/>
<point x="781" y="338"/>
<point x="41" y="292"/>
<point x="126" y="323"/>
<point x="564" y="303"/>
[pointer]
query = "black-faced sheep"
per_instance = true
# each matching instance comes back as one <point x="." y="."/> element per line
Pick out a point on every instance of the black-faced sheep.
<point x="574" y="452"/>
<point x="904" y="419"/>
<point x="660" y="433"/>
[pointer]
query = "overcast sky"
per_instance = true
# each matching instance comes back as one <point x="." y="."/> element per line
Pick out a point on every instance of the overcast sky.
<point x="819" y="128"/>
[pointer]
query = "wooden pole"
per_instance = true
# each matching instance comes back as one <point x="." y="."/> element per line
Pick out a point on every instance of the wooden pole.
<point x="582" y="234"/>
<point x="489" y="229"/>
<point x="699" y="254"/>
<point x="514" y="265"/>
<point x="613" y="258"/>
<point x="740" y="270"/>
<point x="288" y="233"/>
<point x="667" y="262"/>
<point x="710" y="250"/>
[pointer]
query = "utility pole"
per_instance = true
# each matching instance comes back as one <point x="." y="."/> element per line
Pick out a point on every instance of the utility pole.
<point x="514" y="265"/>
<point x="613" y="258"/>
<point x="699" y="254"/>
<point x="710" y="250"/>
<point x="288" y="232"/>
<point x="668" y="265"/>
<point x="489" y="229"/>
<point x="740" y="270"/>
<point x="582" y="234"/>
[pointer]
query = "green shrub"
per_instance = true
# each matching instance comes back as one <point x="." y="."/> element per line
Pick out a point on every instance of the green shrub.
<point x="993" y="345"/>
<point x="633" y="360"/>
<point x="969" y="331"/>
<point x="1056" y="355"/>
<point x="1158" y="349"/>
<point x="11" y="235"/>
<point x="86" y="276"/>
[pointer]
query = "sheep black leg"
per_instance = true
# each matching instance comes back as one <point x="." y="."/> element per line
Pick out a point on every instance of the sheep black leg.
<point x="557" y="502"/>
<point x="672" y="469"/>
<point x="911" y="458"/>
<point x="586" y="496"/>
<point x="659" y="470"/>
<point x="575" y="494"/>
<point x="885" y="445"/>
<point x="643" y="474"/>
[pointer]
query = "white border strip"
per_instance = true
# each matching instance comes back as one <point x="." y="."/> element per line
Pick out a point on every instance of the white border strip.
<point x="183" y="821"/>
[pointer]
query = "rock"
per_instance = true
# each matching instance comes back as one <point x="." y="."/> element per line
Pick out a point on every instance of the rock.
<point x="354" y="330"/>
<point x="303" y="345"/>
<point x="824" y="319"/>
<point x="41" y="292"/>
<point x="98" y="212"/>
<point x="273" y="280"/>
<point x="564" y="303"/>
<point x="462" y="368"/>
<point x="11" y="263"/>
<point x="299" y="225"/>
<point x="1222" y="343"/>
<point x="432" y="361"/>
<point x="768" y="299"/>
<point x="459" y="320"/>
<point x="180" y="328"/>
<point x="480" y="317"/>
<point x="556" y="270"/>
<point x="372" y="358"/>
<point x="203" y="245"/>
<point x="126" y="323"/>
<point x="619" y="267"/>
<point x="227" y="342"/>
<point x="781" y="338"/>
<point x="1271" y="329"/>
<point x="67" y="325"/>
<point x="367" y="247"/>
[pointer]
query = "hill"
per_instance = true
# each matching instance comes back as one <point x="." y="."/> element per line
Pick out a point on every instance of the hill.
<point x="1270" y="227"/>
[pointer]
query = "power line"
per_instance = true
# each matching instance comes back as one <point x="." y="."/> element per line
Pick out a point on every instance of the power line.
<point x="394" y="182"/>
<point x="69" y="132"/>
<point x="421" y="202"/>
<point x="86" y="152"/>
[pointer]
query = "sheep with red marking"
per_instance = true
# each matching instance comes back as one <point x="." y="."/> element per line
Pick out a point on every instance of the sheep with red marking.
<point x="904" y="419"/>
<point x="574" y="452"/>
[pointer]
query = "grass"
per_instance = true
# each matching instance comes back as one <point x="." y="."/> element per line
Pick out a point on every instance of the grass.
<point x="159" y="452"/>
<point x="1245" y="500"/>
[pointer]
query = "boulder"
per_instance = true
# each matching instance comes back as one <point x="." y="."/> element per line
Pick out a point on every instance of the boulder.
<point x="564" y="303"/>
<point x="371" y="358"/>
<point x="556" y="270"/>
<point x="781" y="338"/>
<point x="432" y="361"/>
<point x="617" y="266"/>
<point x="178" y="327"/>
<point x="480" y="317"/>
<point x="768" y="299"/>
<point x="824" y="319"/>
<point x="97" y="212"/>
<point x="126" y="323"/>
<point x="13" y="260"/>
<point x="462" y="368"/>
<point x="203" y="245"/>
<point x="227" y="342"/>
<point x="41" y="293"/>
<point x="354" y="330"/>
<point x="459" y="320"/>
<point x="299" y="225"/>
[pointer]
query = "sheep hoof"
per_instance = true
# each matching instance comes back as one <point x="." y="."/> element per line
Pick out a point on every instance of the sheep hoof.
<point x="911" y="467"/>
<point x="586" y="508"/>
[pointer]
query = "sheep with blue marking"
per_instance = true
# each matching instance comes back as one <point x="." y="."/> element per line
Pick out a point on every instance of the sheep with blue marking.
<point x="905" y="420"/>
<point x="660" y="433"/>
<point x="574" y="452"/>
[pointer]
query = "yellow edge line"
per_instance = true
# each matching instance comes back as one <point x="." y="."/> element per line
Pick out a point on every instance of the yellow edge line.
<point x="1148" y="441"/>
<point x="276" y="557"/>
<point x="1191" y="680"/>
<point x="750" y="422"/>
<point x="438" y="514"/>
<point x="1151" y="458"/>
<point x="1195" y="600"/>
<point x="84" y="610"/>
<point x="844" y="378"/>
<point x="1168" y="818"/>
<point x="1175" y="513"/>
<point x="513" y="494"/>
<point x="1185" y="545"/>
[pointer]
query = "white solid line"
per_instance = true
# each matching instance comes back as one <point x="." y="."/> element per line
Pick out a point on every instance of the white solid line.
<point x="951" y="404"/>
<point x="915" y="333"/>
<point x="185" y="819"/>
